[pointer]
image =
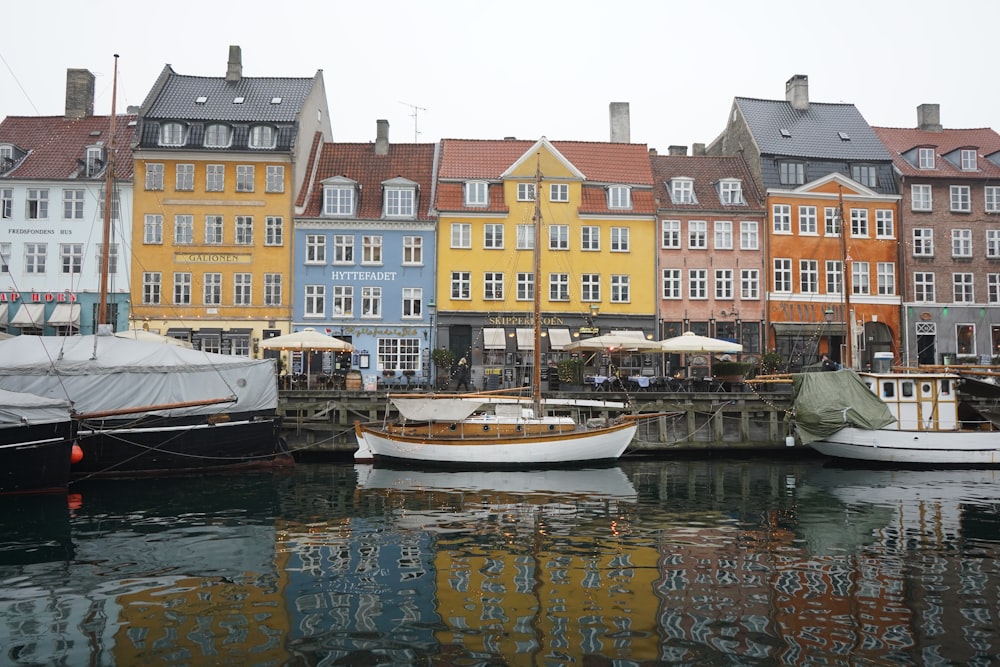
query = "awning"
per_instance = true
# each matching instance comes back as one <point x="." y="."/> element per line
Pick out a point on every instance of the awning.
<point x="809" y="328"/>
<point x="3" y="314"/>
<point x="558" y="338"/>
<point x="494" y="339"/>
<point x="65" y="315"/>
<point x="29" y="315"/>
<point x="631" y="334"/>
<point x="526" y="339"/>
<point x="182" y="333"/>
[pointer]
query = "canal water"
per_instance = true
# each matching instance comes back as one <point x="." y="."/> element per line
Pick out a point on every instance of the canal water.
<point x="789" y="561"/>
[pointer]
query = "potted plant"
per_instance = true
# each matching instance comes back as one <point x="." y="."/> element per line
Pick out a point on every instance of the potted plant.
<point x="730" y="371"/>
<point x="443" y="360"/>
<point x="770" y="363"/>
<point x="570" y="372"/>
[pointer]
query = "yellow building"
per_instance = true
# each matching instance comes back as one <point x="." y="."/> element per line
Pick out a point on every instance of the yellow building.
<point x="219" y="162"/>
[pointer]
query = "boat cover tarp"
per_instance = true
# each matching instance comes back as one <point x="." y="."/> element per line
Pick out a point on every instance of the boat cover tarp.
<point x="825" y="402"/>
<point x="18" y="408"/>
<point x="979" y="388"/>
<point x="100" y="373"/>
<point x="436" y="409"/>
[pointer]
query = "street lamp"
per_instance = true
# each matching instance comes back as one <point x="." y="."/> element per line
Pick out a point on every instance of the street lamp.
<point x="431" y="308"/>
<point x="828" y="315"/>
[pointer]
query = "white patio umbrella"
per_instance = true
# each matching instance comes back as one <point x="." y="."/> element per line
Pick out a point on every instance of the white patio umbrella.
<point x="152" y="337"/>
<point x="691" y="343"/>
<point x="611" y="341"/>
<point x="307" y="340"/>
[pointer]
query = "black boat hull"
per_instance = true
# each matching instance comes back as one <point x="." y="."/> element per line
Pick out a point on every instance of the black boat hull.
<point x="35" y="457"/>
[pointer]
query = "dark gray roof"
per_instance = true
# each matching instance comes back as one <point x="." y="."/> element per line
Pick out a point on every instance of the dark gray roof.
<point x="178" y="99"/>
<point x="812" y="133"/>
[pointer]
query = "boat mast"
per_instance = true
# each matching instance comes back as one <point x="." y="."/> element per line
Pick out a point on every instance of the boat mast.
<point x="845" y="281"/>
<point x="536" y="376"/>
<point x="109" y="182"/>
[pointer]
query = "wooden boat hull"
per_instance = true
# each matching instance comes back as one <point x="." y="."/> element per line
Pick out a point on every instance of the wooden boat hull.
<point x="35" y="457"/>
<point x="974" y="448"/>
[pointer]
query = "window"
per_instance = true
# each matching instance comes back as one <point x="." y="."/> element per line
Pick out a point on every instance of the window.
<point x="923" y="242"/>
<point x="461" y="285"/>
<point x="671" y="236"/>
<point x="619" y="197"/>
<point x="371" y="250"/>
<point x="782" y="219"/>
<point x="860" y="278"/>
<point x="274" y="230"/>
<point x="682" y="191"/>
<point x="461" y="235"/>
<point x="962" y="286"/>
<point x="993" y="243"/>
<point x="865" y="174"/>
<point x="558" y="237"/>
<point x="262" y="136"/>
<point x="477" y="193"/>
<point x="782" y="275"/>
<point x="493" y="286"/>
<point x="559" y="192"/>
<point x="961" y="243"/>
<point x="413" y="302"/>
<point x="371" y="302"/>
<point x="672" y="284"/>
<point x="183" y="229"/>
<point x="525" y="286"/>
<point x="525" y="237"/>
<point x="71" y="257"/>
<point x="215" y="177"/>
<point x="925" y="158"/>
<point x="152" y="229"/>
<point x="723" y="235"/>
<point x="885" y="225"/>
<point x="184" y="177"/>
<point x="859" y="222"/>
<point x="590" y="238"/>
<point x="115" y="205"/>
<point x="35" y="255"/>
<point x="993" y="288"/>
<point x="886" y="272"/>
<point x="73" y="204"/>
<point x="244" y="177"/>
<point x="244" y="230"/>
<point x="218" y="135"/>
<point x="275" y="178"/>
<point x="961" y="198"/>
<point x="37" y="204"/>
<point x="965" y="337"/>
<point x="493" y="236"/>
<point x="182" y="289"/>
<point x="112" y="258"/>
<point x="619" y="239"/>
<point x="5" y="250"/>
<point x="619" y="289"/>
<point x="400" y="202"/>
<point x="807" y="220"/>
<point x="343" y="249"/>
<point x="525" y="192"/>
<point x="590" y="287"/>
<point x="749" y="235"/>
<point x="920" y="198"/>
<point x="315" y="249"/>
<point x="413" y="251"/>
<point x="809" y="276"/>
<point x="697" y="283"/>
<point x="213" y="230"/>
<point x="791" y="173"/>
<point x="315" y="301"/>
<point x="968" y="158"/>
<point x="151" y="281"/>
<point x="923" y="287"/>
<point x="338" y="200"/>
<point x="992" y="195"/>
<point x="724" y="284"/>
<point x="558" y="287"/>
<point x="697" y="234"/>
<point x="831" y="221"/>
<point x="171" y="134"/>
<point x="212" y="289"/>
<point x="749" y="283"/>
<point x="6" y="202"/>
<point x="343" y="301"/>
<point x="834" y="277"/>
<point x="401" y="354"/>
<point x="242" y="289"/>
<point x="272" y="289"/>
<point x="731" y="192"/>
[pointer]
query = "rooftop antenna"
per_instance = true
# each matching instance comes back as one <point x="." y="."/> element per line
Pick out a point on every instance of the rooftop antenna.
<point x="414" y="111"/>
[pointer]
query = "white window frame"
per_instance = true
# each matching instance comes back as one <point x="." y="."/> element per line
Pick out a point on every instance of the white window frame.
<point x="781" y="218"/>
<point x="925" y="158"/>
<point x="590" y="238"/>
<point x="314" y="302"/>
<point x="809" y="276"/>
<point x="723" y="235"/>
<point x="619" y="197"/>
<point x="961" y="198"/>
<point x="274" y="230"/>
<point x="559" y="192"/>
<point x="413" y="251"/>
<point x="152" y="229"/>
<point x="924" y="286"/>
<point x="672" y="284"/>
<point x="400" y="202"/>
<point x="749" y="235"/>
<point x="859" y="223"/>
<point x="991" y="198"/>
<point x="923" y="241"/>
<point x="154" y="176"/>
<point x="808" y="223"/>
<point x="590" y="287"/>
<point x="620" y="288"/>
<point x="343" y="249"/>
<point x="731" y="192"/>
<point x="412" y="303"/>
<point x="172" y="134"/>
<point x="558" y="237"/>
<point x="670" y="236"/>
<point x="493" y="286"/>
<point x="886" y="276"/>
<point x="620" y="239"/>
<point x="215" y="178"/>
<point x="698" y="284"/>
<point x="783" y="275"/>
<point x="217" y="135"/>
<point x="885" y="223"/>
<point x="245" y="177"/>
<point x="558" y="287"/>
<point x="921" y="197"/>
<point x="211" y="289"/>
<point x="274" y="178"/>
<point x="968" y="159"/>
<point x="184" y="177"/>
<point x="461" y="235"/>
<point x="697" y="235"/>
<point x="315" y="249"/>
<point x="477" y="193"/>
<point x="723" y="284"/>
<point x="214" y="229"/>
<point x="262" y="137"/>
<point x="342" y="297"/>
<point x="524" y="289"/>
<point x="525" y="192"/>
<point x="961" y="243"/>
<point x="461" y="285"/>
<point x="338" y="200"/>
<point x="493" y="236"/>
<point x="682" y="191"/>
<point x="371" y="250"/>
<point x="963" y="287"/>
<point x="750" y="284"/>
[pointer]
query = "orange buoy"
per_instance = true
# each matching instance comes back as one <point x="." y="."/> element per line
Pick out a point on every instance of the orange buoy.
<point x="77" y="455"/>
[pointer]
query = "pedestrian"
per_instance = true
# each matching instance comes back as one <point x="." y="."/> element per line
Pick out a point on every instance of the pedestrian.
<point x="462" y="375"/>
<point x="829" y="364"/>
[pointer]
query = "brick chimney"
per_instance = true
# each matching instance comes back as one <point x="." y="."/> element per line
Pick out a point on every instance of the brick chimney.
<point x="929" y="118"/>
<point x="79" y="93"/>
<point x="234" y="69"/>
<point x="677" y="150"/>
<point x="797" y="92"/>
<point x="620" y="123"/>
<point x="381" y="137"/>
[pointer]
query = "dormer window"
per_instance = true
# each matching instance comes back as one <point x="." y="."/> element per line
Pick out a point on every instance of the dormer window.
<point x="865" y="174"/>
<point x="262" y="136"/>
<point x="682" y="191"/>
<point x="218" y="135"/>
<point x="339" y="196"/>
<point x="925" y="158"/>
<point x="731" y="192"/>
<point x="791" y="173"/>
<point x="400" y="196"/>
<point x="6" y="157"/>
<point x="172" y="134"/>
<point x="969" y="159"/>
<point x="94" y="161"/>
<point x="620" y="197"/>
<point x="477" y="193"/>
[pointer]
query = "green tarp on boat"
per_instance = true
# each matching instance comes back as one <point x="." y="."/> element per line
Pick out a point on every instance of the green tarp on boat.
<point x="826" y="402"/>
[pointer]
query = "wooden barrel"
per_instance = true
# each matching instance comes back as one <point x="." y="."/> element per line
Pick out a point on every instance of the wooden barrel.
<point x="353" y="380"/>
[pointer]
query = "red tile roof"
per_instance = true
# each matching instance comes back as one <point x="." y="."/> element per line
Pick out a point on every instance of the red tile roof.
<point x="55" y="143"/>
<point x="706" y="171"/>
<point x="900" y="140"/>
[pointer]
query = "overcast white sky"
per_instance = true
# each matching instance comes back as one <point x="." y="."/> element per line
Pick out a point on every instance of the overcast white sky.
<point x="486" y="70"/>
